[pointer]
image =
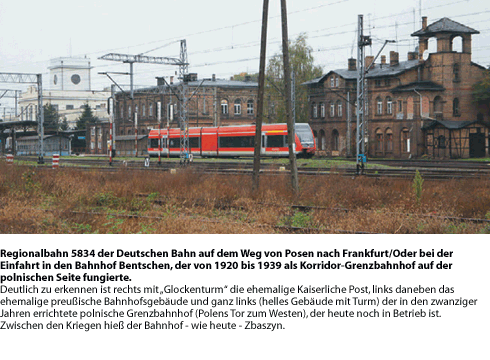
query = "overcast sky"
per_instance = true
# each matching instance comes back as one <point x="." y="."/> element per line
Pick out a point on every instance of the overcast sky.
<point x="223" y="37"/>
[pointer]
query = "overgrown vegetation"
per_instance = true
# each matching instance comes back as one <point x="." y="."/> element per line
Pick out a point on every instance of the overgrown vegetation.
<point x="80" y="202"/>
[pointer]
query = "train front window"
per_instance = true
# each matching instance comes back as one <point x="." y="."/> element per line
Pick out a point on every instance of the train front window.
<point x="304" y="133"/>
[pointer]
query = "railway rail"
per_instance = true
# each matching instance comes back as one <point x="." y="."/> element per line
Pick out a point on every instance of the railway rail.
<point x="438" y="170"/>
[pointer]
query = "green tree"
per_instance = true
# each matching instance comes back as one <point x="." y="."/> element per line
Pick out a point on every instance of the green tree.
<point x="481" y="90"/>
<point x="87" y="117"/>
<point x="51" y="118"/>
<point x="64" y="125"/>
<point x="242" y="77"/>
<point x="302" y="62"/>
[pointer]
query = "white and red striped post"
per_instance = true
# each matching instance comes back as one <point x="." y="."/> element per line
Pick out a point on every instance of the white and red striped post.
<point x="110" y="108"/>
<point x="56" y="161"/>
<point x="159" y="117"/>
<point x="10" y="159"/>
<point x="136" y="133"/>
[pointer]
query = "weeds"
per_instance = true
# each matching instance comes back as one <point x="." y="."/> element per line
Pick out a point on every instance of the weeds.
<point x="417" y="187"/>
<point x="196" y="203"/>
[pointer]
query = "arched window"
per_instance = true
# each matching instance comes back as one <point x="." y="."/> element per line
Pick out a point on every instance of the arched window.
<point x="379" y="106"/>
<point x="437" y="105"/>
<point x="405" y="140"/>
<point x="389" y="140"/>
<point x="237" y="107"/>
<point x="389" y="106"/>
<point x="130" y="114"/>
<point x="379" y="140"/>
<point x="457" y="44"/>
<point x="339" y="108"/>
<point x="151" y="110"/>
<point x="224" y="107"/>
<point x="456" y="107"/>
<point x="143" y="110"/>
<point x="332" y="109"/>
<point x="322" y="139"/>
<point x="250" y="107"/>
<point x="322" y="110"/>
<point x="335" y="140"/>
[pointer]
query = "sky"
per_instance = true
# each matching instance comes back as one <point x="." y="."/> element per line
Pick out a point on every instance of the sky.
<point x="223" y="36"/>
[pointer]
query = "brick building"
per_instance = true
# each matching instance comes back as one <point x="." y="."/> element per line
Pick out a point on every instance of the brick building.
<point x="421" y="106"/>
<point x="216" y="102"/>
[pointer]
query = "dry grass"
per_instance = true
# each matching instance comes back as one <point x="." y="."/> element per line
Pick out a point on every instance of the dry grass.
<point x="75" y="201"/>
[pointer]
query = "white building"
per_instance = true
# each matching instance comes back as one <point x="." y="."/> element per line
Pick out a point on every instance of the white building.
<point x="68" y="89"/>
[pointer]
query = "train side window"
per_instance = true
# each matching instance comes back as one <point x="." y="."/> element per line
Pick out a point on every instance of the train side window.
<point x="174" y="143"/>
<point x="153" y="143"/>
<point x="236" y="142"/>
<point x="275" y="141"/>
<point x="263" y="141"/>
<point x="194" y="142"/>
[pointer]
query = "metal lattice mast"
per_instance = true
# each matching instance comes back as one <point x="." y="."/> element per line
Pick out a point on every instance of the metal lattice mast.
<point x="184" y="120"/>
<point x="363" y="41"/>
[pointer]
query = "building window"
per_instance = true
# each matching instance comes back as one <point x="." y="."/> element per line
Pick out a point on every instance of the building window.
<point x="238" y="107"/>
<point x="379" y="140"/>
<point x="332" y="81"/>
<point x="389" y="105"/>
<point x="379" y="106"/>
<point x="441" y="142"/>
<point x="92" y="132"/>
<point x="204" y="105"/>
<point x="322" y="140"/>
<point x="405" y="140"/>
<point x="332" y="109"/>
<point x="250" y="107"/>
<point x="456" y="73"/>
<point x="336" y="82"/>
<point x="438" y="106"/>
<point x="129" y="111"/>
<point x="339" y="108"/>
<point x="389" y="140"/>
<point x="456" y="107"/>
<point x="314" y="111"/>
<point x="224" y="107"/>
<point x="387" y="82"/>
<point x="151" y="110"/>
<point x="400" y="106"/>
<point x="335" y="140"/>
<point x="377" y="83"/>
<point x="144" y="110"/>
<point x="69" y="107"/>
<point x="322" y="110"/>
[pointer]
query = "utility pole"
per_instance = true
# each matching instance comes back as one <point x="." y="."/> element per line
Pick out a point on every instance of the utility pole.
<point x="287" y="79"/>
<point x="260" y="101"/>
<point x="348" y="126"/>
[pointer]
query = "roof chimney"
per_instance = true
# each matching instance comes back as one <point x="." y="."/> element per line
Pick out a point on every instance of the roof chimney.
<point x="368" y="60"/>
<point x="424" y="22"/>
<point x="383" y="59"/>
<point x="412" y="55"/>
<point x="171" y="80"/>
<point x="352" y="64"/>
<point x="213" y="77"/>
<point x="393" y="58"/>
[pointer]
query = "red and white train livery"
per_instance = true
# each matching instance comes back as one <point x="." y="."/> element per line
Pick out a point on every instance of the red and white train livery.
<point x="233" y="141"/>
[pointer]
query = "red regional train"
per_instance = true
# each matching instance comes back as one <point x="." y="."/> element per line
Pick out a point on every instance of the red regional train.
<point x="233" y="141"/>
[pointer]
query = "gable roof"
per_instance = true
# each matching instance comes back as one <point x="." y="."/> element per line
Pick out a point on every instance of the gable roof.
<point x="376" y="71"/>
<point x="445" y="25"/>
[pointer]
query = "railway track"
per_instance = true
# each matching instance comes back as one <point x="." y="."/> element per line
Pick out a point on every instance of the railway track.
<point x="438" y="170"/>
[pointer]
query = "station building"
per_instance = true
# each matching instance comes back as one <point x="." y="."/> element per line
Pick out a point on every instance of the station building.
<point x="421" y="106"/>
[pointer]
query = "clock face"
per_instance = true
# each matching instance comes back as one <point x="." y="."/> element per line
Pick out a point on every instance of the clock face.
<point x="75" y="79"/>
<point x="55" y="79"/>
